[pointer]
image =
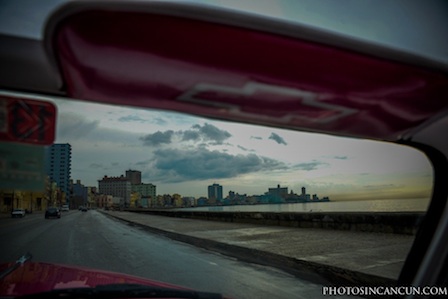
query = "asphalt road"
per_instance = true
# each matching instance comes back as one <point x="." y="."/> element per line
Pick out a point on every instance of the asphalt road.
<point x="93" y="240"/>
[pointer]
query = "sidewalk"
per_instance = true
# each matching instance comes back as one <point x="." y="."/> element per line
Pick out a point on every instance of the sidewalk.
<point x="336" y="256"/>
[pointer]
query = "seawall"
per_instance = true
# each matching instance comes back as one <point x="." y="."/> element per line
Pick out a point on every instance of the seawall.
<point x="383" y="222"/>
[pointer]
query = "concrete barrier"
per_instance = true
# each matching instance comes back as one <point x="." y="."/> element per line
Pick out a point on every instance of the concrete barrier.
<point x="382" y="222"/>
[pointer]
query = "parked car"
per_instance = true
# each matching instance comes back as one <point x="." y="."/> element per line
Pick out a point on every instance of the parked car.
<point x="65" y="208"/>
<point x="84" y="209"/>
<point x="52" y="212"/>
<point x="18" y="213"/>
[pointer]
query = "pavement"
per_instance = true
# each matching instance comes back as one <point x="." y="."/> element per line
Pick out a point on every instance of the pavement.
<point x="323" y="256"/>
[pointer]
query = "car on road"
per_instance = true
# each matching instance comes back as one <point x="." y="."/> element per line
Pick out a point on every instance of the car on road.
<point x="52" y="212"/>
<point x="84" y="209"/>
<point x="65" y="208"/>
<point x="18" y="213"/>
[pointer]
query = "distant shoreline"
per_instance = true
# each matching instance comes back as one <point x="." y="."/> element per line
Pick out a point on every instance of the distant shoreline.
<point x="375" y="205"/>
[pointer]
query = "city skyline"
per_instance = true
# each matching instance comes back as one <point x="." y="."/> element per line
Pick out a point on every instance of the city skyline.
<point x="214" y="191"/>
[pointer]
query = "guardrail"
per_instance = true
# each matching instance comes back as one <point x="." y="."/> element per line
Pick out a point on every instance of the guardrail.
<point x="384" y="222"/>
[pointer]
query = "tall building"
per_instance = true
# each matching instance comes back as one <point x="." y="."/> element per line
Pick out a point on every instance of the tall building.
<point x="280" y="192"/>
<point x="58" y="160"/>
<point x="117" y="187"/>
<point x="215" y="192"/>
<point x="134" y="176"/>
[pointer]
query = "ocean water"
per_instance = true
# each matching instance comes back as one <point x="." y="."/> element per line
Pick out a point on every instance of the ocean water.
<point x="378" y="205"/>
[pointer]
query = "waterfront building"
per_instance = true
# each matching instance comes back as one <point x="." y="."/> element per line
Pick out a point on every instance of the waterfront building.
<point x="134" y="176"/>
<point x="215" y="192"/>
<point x="188" y="201"/>
<point x="177" y="200"/>
<point x="136" y="200"/>
<point x="117" y="187"/>
<point x="167" y="201"/>
<point x="58" y="159"/>
<point x="158" y="202"/>
<point x="279" y="192"/>
<point x="147" y="191"/>
<point x="103" y="201"/>
<point x="202" y="201"/>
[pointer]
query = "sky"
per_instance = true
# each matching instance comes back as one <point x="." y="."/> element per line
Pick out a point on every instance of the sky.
<point x="184" y="154"/>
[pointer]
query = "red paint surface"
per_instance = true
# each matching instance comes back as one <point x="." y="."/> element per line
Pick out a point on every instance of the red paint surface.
<point x="33" y="278"/>
<point x="27" y="121"/>
<point x="148" y="60"/>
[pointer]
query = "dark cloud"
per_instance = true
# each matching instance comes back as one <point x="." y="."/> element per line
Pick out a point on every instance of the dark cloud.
<point x="158" y="138"/>
<point x="277" y="139"/>
<point x="205" y="133"/>
<point x="210" y="132"/>
<point x="172" y="165"/>
<point x="243" y="148"/>
<point x="309" y="165"/>
<point x="190" y="135"/>
<point x="340" y="157"/>
<point x="130" y="118"/>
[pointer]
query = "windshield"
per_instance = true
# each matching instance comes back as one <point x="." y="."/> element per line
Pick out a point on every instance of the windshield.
<point x="166" y="199"/>
<point x="273" y="191"/>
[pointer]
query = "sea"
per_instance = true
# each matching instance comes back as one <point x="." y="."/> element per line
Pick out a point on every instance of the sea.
<point x="377" y="205"/>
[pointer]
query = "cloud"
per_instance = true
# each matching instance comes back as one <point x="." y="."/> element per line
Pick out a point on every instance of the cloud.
<point x="160" y="121"/>
<point x="190" y="135"/>
<point x="158" y="138"/>
<point x="96" y="165"/>
<point x="245" y="149"/>
<point x="256" y="137"/>
<point x="173" y="165"/>
<point x="143" y="163"/>
<point x="197" y="133"/>
<point x="131" y="118"/>
<point x="308" y="166"/>
<point x="381" y="186"/>
<point x="211" y="132"/>
<point x="277" y="138"/>
<point x="340" y="157"/>
<point x="73" y="126"/>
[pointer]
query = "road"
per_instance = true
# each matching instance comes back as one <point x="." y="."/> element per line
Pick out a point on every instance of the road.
<point x="94" y="240"/>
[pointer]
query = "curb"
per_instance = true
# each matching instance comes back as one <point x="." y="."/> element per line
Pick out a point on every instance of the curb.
<point x="311" y="271"/>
